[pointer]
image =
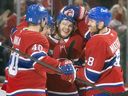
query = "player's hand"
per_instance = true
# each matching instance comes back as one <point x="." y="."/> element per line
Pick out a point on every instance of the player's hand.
<point x="68" y="70"/>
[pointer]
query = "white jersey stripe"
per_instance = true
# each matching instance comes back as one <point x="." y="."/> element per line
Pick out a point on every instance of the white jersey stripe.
<point x="62" y="93"/>
<point x="100" y="85"/>
<point x="27" y="90"/>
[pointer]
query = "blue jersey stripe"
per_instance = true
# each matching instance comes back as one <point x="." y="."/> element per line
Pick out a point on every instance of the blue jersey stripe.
<point x="28" y="63"/>
<point x="109" y="63"/>
<point x="91" y="75"/>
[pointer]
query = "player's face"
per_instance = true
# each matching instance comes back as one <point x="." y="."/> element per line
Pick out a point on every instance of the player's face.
<point x="92" y="26"/>
<point x="65" y="28"/>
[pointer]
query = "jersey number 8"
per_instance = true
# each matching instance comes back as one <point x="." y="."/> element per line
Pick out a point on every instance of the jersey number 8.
<point x="90" y="61"/>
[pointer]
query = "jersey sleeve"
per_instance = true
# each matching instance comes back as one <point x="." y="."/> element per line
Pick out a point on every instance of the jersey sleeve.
<point x="82" y="27"/>
<point x="75" y="46"/>
<point x="38" y="48"/>
<point x="95" y="52"/>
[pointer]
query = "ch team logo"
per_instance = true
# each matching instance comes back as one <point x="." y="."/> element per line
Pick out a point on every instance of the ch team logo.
<point x="69" y="12"/>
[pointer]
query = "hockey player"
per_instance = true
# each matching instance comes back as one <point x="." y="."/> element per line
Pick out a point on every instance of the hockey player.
<point x="67" y="44"/>
<point x="79" y="13"/>
<point x="26" y="77"/>
<point x="102" y="54"/>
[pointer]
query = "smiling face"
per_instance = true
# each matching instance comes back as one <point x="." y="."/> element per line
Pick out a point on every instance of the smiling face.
<point x="65" y="28"/>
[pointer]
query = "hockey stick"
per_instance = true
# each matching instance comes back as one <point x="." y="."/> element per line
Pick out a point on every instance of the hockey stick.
<point x="50" y="67"/>
<point x="32" y="58"/>
<point x="58" y="71"/>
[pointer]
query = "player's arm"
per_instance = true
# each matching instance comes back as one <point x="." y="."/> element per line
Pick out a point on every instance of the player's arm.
<point x="74" y="47"/>
<point x="39" y="52"/>
<point x="66" y="66"/>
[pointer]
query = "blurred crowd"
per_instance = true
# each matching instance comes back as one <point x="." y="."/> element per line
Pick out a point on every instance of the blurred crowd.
<point x="8" y="18"/>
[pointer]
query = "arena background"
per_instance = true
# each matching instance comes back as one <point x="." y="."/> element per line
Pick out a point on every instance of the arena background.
<point x="11" y="7"/>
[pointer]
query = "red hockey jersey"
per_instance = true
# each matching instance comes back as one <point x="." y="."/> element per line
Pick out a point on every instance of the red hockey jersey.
<point x="101" y="69"/>
<point x="26" y="77"/>
<point x="68" y="48"/>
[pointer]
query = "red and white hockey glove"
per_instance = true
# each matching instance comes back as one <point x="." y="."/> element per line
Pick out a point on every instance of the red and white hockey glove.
<point x="68" y="70"/>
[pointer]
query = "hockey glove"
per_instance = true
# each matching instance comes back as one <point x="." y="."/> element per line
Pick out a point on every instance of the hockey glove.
<point x="68" y="70"/>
